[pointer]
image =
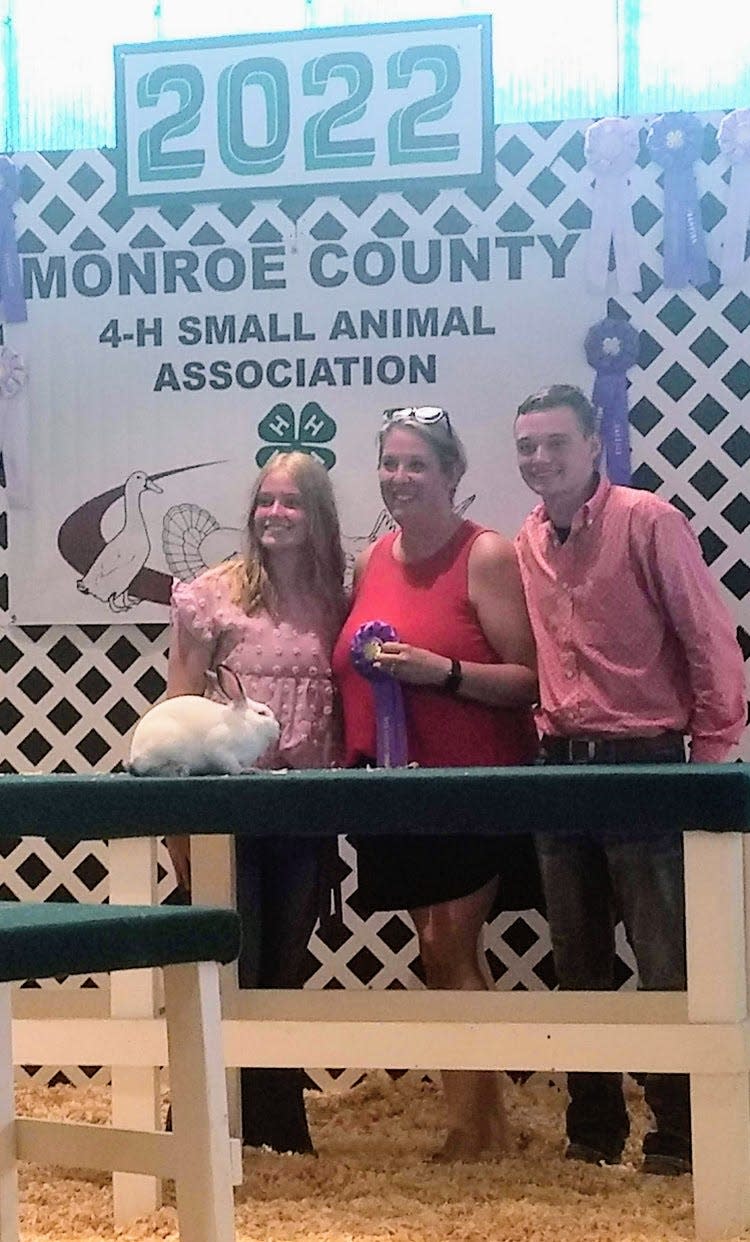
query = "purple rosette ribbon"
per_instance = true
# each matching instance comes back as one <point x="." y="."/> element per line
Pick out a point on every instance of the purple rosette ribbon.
<point x="390" y="721"/>
<point x="675" y="141"/>
<point x="734" y="143"/>
<point x="11" y="281"/>
<point x="611" y="349"/>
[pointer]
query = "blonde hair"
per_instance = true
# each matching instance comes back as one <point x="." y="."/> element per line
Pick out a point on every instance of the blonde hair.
<point x="249" y="582"/>
<point x="443" y="441"/>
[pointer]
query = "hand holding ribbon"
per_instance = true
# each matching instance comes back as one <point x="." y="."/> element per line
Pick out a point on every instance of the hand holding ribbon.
<point x="734" y="142"/>
<point x="611" y="349"/>
<point x="390" y="721"/>
<point x="11" y="282"/>
<point x="675" y="140"/>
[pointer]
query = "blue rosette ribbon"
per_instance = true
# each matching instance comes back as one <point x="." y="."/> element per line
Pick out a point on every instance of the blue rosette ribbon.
<point x="611" y="349"/>
<point x="675" y="141"/>
<point x="390" y="720"/>
<point x="11" y="282"/>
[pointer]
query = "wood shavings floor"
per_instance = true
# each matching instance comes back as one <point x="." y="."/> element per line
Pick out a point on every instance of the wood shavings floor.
<point x="373" y="1181"/>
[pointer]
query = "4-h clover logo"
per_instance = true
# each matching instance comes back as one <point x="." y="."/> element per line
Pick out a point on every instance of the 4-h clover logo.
<point x="283" y="434"/>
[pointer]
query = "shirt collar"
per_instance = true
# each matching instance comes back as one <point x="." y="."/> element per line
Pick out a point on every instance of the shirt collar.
<point x="588" y="512"/>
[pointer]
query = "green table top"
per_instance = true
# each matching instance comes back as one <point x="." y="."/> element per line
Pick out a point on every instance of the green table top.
<point x="39" y="940"/>
<point x="420" y="801"/>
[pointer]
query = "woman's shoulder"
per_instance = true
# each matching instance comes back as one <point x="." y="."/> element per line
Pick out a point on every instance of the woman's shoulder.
<point x="201" y="603"/>
<point x="215" y="581"/>
<point x="374" y="552"/>
<point x="490" y="552"/>
<point x="485" y="541"/>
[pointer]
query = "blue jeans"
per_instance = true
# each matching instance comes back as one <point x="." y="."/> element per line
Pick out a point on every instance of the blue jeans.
<point x="590" y="882"/>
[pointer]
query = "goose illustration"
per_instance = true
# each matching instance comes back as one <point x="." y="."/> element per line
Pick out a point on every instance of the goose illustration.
<point x="193" y="541"/>
<point x="110" y="575"/>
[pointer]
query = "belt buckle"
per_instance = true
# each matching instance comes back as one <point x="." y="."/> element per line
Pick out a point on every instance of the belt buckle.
<point x="581" y="750"/>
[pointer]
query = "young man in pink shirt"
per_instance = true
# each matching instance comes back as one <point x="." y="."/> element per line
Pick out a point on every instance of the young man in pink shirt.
<point x="636" y="652"/>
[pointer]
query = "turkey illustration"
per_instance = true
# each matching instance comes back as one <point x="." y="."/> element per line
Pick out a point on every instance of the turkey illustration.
<point x="193" y="541"/>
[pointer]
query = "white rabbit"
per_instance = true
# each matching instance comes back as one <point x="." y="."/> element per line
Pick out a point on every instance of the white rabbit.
<point x="191" y="735"/>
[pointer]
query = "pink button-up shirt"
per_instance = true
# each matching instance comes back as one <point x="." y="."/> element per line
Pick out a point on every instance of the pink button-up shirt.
<point x="632" y="636"/>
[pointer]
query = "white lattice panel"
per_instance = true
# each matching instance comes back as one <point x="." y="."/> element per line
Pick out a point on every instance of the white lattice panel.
<point x="71" y="694"/>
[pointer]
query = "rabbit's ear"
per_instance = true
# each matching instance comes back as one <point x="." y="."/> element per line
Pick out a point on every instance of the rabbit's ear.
<point x="229" y="684"/>
<point x="214" y="686"/>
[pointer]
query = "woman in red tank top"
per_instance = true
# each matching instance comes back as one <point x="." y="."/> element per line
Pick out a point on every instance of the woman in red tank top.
<point x="465" y="661"/>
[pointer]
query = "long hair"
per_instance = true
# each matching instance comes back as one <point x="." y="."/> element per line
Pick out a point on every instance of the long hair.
<point x="250" y="584"/>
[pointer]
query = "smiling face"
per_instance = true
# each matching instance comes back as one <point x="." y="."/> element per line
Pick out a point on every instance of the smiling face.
<point x="557" y="459"/>
<point x="413" y="484"/>
<point x="279" y="519"/>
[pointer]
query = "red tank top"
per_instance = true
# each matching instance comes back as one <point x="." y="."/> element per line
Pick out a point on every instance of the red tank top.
<point x="427" y="602"/>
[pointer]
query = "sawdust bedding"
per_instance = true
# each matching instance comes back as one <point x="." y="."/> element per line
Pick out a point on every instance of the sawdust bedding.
<point x="373" y="1180"/>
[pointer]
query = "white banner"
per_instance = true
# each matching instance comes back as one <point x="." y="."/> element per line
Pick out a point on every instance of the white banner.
<point x="171" y="348"/>
<point x="160" y="374"/>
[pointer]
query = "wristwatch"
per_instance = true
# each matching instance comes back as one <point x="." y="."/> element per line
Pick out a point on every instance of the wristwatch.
<point x="454" y="678"/>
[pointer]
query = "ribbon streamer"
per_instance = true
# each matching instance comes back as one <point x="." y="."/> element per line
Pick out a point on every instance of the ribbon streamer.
<point x="734" y="142"/>
<point x="14" y="427"/>
<point x="611" y="349"/>
<point x="390" y="720"/>
<point x="11" y="281"/>
<point x="675" y="140"/>
<point x="611" y="147"/>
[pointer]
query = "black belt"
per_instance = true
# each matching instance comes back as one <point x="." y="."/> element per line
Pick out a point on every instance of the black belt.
<point x="612" y="749"/>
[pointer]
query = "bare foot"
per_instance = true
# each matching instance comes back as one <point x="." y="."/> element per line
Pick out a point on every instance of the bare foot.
<point x="468" y="1147"/>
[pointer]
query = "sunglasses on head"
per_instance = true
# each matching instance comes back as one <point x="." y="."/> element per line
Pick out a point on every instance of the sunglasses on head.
<point x="425" y="415"/>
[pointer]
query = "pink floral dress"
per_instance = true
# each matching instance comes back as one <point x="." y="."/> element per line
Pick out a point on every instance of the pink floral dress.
<point x="286" y="667"/>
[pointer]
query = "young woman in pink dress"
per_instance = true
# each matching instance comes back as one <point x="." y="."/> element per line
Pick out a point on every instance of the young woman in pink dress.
<point x="271" y="616"/>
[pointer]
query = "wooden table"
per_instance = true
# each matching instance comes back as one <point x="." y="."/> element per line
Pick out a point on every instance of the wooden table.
<point x="703" y="1032"/>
